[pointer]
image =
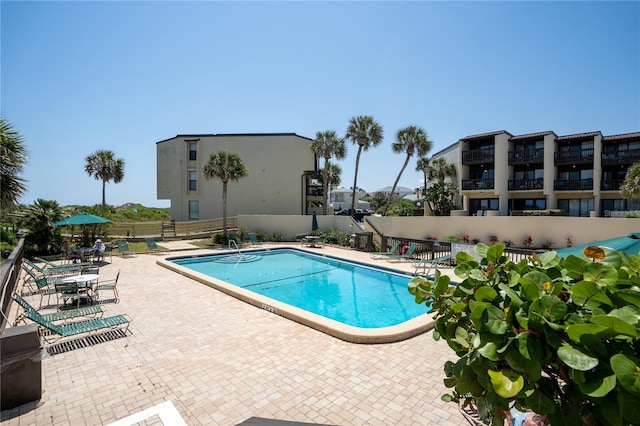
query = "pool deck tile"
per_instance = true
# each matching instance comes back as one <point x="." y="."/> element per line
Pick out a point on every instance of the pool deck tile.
<point x="221" y="361"/>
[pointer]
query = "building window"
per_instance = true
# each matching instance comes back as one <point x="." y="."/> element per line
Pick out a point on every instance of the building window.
<point x="194" y="210"/>
<point x="193" y="151"/>
<point x="579" y="207"/>
<point x="476" y="204"/>
<point x="528" y="204"/>
<point x="192" y="180"/>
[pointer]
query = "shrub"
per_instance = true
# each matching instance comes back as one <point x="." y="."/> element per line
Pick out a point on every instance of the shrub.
<point x="277" y="237"/>
<point x="453" y="238"/>
<point x="557" y="336"/>
<point x="262" y="235"/>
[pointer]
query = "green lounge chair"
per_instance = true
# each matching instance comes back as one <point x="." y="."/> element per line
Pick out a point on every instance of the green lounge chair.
<point x="428" y="265"/>
<point x="87" y="311"/>
<point x="153" y="246"/>
<point x="71" y="329"/>
<point x="406" y="256"/>
<point x="56" y="270"/>
<point x="123" y="248"/>
<point x="391" y="252"/>
<point x="254" y="239"/>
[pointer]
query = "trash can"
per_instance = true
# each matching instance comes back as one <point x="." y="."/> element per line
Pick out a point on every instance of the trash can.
<point x="21" y="354"/>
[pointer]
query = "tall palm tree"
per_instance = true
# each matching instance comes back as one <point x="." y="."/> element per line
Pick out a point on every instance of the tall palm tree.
<point x="440" y="195"/>
<point x="422" y="165"/>
<point x="104" y="166"/>
<point x="410" y="140"/>
<point x="630" y="188"/>
<point x="225" y="166"/>
<point x="326" y="145"/>
<point x="335" y="177"/>
<point x="364" y="131"/>
<point x="13" y="156"/>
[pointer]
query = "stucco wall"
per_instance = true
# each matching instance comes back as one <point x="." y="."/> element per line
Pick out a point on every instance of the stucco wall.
<point x="291" y="225"/>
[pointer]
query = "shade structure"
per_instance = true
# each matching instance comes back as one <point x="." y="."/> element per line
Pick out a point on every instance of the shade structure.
<point x="81" y="219"/>
<point x="629" y="244"/>
<point x="314" y="222"/>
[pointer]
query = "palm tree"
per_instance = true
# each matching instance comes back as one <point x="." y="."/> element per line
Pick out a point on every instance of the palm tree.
<point x="363" y="131"/>
<point x="103" y="165"/>
<point x="335" y="177"/>
<point x="422" y="165"/>
<point x="440" y="195"/>
<point x="328" y="144"/>
<point x="441" y="169"/>
<point x="630" y="188"/>
<point x="225" y="166"/>
<point x="40" y="216"/>
<point x="13" y="156"/>
<point x="409" y="140"/>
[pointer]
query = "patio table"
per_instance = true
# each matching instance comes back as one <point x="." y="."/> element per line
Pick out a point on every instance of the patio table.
<point x="85" y="282"/>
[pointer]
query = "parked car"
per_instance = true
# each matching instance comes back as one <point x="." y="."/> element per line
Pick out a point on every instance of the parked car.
<point x="358" y="215"/>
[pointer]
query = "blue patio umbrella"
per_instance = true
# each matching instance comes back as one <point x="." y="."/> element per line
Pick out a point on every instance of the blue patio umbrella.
<point x="629" y="244"/>
<point x="314" y="222"/>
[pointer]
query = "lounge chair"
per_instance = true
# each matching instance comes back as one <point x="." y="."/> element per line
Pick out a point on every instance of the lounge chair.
<point x="87" y="311"/>
<point x="254" y="239"/>
<point x="62" y="331"/>
<point x="408" y="255"/>
<point x="123" y="248"/>
<point x="392" y="251"/>
<point x="55" y="270"/>
<point x="153" y="246"/>
<point x="428" y="265"/>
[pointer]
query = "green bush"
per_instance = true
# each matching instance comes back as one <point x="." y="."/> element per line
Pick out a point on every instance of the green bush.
<point x="556" y="336"/>
<point x="335" y="236"/>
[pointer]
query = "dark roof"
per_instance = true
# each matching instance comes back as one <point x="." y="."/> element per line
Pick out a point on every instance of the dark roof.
<point x="203" y="135"/>
<point x="621" y="137"/>
<point x="531" y="136"/>
<point x="579" y="136"/>
<point x="485" y="135"/>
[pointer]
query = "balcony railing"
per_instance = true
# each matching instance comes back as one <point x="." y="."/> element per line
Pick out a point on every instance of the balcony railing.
<point x="525" y="184"/>
<point x="473" y="184"/>
<point x="477" y="156"/>
<point x="526" y="156"/>
<point x="573" y="184"/>
<point x="621" y="157"/>
<point x="314" y="191"/>
<point x="611" y="185"/>
<point x="574" y="157"/>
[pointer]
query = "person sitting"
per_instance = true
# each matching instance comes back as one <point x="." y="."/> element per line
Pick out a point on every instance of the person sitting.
<point x="69" y="254"/>
<point x="98" y="250"/>
<point x="525" y="418"/>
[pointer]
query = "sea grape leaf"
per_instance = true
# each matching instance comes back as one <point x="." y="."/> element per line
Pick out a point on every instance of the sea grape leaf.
<point x="627" y="371"/>
<point x="615" y="324"/>
<point x="496" y="320"/>
<point x="599" y="387"/>
<point x="576" y="359"/>
<point x="506" y="383"/>
<point x="485" y="293"/>
<point x="589" y="293"/>
<point x="604" y="275"/>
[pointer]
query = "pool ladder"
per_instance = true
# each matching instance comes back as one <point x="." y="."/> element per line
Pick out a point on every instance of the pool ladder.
<point x="232" y="245"/>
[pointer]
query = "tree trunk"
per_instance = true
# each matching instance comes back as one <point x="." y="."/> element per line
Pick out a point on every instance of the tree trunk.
<point x="355" y="182"/>
<point x="104" y="184"/>
<point x="325" y="185"/>
<point x="395" y="184"/>
<point x="224" y="208"/>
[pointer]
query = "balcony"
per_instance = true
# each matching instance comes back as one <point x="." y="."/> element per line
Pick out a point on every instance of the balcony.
<point x="476" y="184"/>
<point x="573" y="184"/>
<point x="621" y="158"/>
<point x="611" y="185"/>
<point x="574" y="157"/>
<point x="477" y="156"/>
<point x="527" y="156"/>
<point x="314" y="191"/>
<point x="525" y="184"/>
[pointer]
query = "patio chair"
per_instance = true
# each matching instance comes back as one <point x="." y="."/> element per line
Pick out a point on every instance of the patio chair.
<point x="428" y="265"/>
<point x="108" y="285"/>
<point x="65" y="315"/>
<point x="62" y="331"/>
<point x="392" y="251"/>
<point x="254" y="239"/>
<point x="123" y="248"/>
<point x="408" y="255"/>
<point x="153" y="246"/>
<point x="66" y="291"/>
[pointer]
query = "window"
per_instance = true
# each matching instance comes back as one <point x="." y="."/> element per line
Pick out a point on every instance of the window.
<point x="192" y="180"/>
<point x="193" y="151"/>
<point x="528" y="204"/>
<point x="576" y="207"/>
<point x="194" y="210"/>
<point x="476" y="204"/>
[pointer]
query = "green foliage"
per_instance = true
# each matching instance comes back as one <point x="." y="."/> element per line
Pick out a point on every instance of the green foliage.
<point x="440" y="196"/>
<point x="42" y="237"/>
<point x="401" y="208"/>
<point x="277" y="237"/>
<point x="453" y="238"/>
<point x="334" y="236"/>
<point x="262" y="235"/>
<point x="557" y="336"/>
<point x="220" y="238"/>
<point x="377" y="200"/>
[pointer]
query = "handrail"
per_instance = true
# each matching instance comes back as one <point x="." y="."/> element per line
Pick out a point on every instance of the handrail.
<point x="9" y="278"/>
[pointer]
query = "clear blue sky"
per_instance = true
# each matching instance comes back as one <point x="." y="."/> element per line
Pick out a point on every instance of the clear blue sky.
<point x="83" y="76"/>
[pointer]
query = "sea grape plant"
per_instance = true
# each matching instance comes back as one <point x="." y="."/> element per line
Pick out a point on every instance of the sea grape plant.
<point x="559" y="336"/>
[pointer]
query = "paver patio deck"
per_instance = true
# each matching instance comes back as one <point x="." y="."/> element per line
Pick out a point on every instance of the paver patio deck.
<point x="220" y="361"/>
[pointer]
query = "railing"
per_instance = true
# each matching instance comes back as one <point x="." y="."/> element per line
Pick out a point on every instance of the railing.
<point x="477" y="156"/>
<point x="574" y="157"/>
<point x="621" y="157"/>
<point x="472" y="184"/>
<point x="9" y="278"/>
<point x="193" y="228"/>
<point x="525" y="184"/>
<point x="611" y="185"/>
<point x="526" y="156"/>
<point x="573" y="184"/>
<point x="315" y="191"/>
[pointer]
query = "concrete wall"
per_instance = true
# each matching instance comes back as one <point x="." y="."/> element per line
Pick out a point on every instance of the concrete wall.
<point x="291" y="225"/>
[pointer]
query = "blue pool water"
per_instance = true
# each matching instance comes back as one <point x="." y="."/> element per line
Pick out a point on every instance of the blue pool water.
<point x="348" y="292"/>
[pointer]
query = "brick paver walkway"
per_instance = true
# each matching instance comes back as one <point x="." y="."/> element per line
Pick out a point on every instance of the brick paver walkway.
<point x="220" y="361"/>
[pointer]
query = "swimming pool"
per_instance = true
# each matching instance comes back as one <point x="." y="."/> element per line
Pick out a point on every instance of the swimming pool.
<point x="353" y="301"/>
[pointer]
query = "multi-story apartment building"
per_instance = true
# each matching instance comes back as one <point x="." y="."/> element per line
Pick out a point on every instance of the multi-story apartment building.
<point x="579" y="174"/>
<point x="282" y="172"/>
